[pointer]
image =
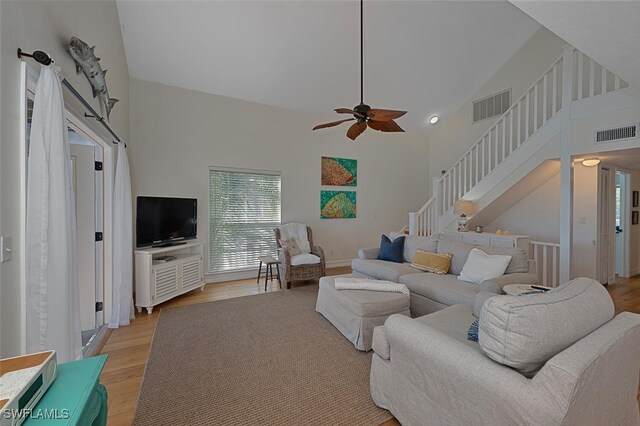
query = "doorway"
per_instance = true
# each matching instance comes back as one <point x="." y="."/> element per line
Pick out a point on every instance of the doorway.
<point x="87" y="188"/>
<point x="622" y="187"/>
<point x="92" y="159"/>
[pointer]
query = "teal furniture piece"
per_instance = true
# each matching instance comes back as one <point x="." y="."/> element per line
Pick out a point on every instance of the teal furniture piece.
<point x="76" y="396"/>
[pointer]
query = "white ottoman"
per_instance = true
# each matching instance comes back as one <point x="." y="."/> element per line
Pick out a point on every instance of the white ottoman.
<point x="355" y="313"/>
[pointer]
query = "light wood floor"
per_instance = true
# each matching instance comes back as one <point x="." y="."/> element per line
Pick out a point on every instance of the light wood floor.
<point x="128" y="347"/>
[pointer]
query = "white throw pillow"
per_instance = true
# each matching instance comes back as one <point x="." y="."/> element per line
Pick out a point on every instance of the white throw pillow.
<point x="481" y="266"/>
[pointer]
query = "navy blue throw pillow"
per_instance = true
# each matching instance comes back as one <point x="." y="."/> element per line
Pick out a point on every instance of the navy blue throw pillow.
<point x="391" y="250"/>
<point x="472" y="334"/>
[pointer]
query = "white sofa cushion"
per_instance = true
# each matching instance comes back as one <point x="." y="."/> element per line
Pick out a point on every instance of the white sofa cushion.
<point x="304" y="259"/>
<point x="381" y="269"/>
<point x="414" y="242"/>
<point x="524" y="332"/>
<point x="481" y="266"/>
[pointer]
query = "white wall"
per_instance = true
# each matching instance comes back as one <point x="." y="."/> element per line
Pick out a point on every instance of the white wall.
<point x="47" y="26"/>
<point x="537" y="215"/>
<point x="176" y="134"/>
<point x="584" y="253"/>
<point x="455" y="135"/>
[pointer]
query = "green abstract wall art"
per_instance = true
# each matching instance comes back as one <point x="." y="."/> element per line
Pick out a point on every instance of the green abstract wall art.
<point x="339" y="172"/>
<point x="337" y="204"/>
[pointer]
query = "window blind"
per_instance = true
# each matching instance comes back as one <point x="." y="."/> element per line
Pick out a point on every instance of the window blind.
<point x="244" y="210"/>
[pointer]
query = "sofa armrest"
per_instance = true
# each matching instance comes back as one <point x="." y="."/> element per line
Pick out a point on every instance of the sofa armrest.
<point x="448" y="371"/>
<point x="495" y="285"/>
<point x="369" y="253"/>
<point x="317" y="250"/>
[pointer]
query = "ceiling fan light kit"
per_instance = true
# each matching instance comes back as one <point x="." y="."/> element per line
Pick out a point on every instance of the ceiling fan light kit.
<point x="378" y="119"/>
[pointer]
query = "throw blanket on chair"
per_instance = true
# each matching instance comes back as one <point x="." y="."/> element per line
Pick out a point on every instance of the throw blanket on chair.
<point x="370" y="284"/>
<point x="297" y="231"/>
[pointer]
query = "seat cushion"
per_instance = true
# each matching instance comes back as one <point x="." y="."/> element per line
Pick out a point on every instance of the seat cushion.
<point x="524" y="332"/>
<point x="453" y="321"/>
<point x="304" y="259"/>
<point x="460" y="252"/>
<point x="446" y="289"/>
<point x="381" y="269"/>
<point x="364" y="303"/>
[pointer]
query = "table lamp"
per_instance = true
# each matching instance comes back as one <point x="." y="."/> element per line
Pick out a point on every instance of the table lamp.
<point x="464" y="208"/>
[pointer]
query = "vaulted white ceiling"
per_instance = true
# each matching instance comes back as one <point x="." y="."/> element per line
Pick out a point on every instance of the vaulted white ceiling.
<point x="426" y="57"/>
<point x="607" y="31"/>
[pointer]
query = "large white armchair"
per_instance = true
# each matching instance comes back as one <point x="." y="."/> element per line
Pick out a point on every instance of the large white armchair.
<point x="560" y="358"/>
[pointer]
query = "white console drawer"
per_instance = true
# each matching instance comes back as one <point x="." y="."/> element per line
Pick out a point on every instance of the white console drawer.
<point x="477" y="239"/>
<point x="489" y="239"/>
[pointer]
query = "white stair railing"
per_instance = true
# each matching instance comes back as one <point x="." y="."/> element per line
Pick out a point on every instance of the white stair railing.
<point x="423" y="222"/>
<point x="547" y="258"/>
<point x="541" y="102"/>
<point x="591" y="79"/>
<point x="535" y="107"/>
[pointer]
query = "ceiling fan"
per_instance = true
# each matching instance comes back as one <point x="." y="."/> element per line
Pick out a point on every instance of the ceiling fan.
<point x="363" y="114"/>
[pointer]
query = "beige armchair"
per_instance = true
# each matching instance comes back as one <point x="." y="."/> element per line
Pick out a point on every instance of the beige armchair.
<point x="305" y="266"/>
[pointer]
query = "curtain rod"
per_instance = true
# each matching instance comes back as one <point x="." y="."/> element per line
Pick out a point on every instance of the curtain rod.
<point x="44" y="59"/>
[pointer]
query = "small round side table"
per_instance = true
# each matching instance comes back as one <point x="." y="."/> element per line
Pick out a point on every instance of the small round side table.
<point x="516" y="289"/>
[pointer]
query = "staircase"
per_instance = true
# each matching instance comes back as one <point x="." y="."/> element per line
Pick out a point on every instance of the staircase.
<point x="513" y="146"/>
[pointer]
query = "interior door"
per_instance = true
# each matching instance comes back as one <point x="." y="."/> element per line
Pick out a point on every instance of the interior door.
<point x="606" y="268"/>
<point x="83" y="160"/>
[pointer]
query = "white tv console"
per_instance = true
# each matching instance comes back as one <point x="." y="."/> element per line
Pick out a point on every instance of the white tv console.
<point x="159" y="280"/>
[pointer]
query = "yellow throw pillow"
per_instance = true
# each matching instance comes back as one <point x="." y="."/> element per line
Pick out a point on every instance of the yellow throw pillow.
<point x="438" y="263"/>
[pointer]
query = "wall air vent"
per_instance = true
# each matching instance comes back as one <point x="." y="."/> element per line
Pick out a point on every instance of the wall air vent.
<point x="626" y="132"/>
<point x="491" y="106"/>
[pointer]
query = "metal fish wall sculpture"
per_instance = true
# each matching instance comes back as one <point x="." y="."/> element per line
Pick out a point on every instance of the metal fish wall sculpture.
<point x="87" y="62"/>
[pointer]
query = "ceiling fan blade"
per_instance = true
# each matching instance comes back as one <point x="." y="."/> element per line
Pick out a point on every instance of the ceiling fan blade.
<point x="333" y="123"/>
<point x="348" y="111"/>
<point x="356" y="130"/>
<point x="385" y="114"/>
<point x="385" y="126"/>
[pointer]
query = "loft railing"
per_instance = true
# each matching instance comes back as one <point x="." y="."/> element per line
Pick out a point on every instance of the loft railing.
<point x="541" y="102"/>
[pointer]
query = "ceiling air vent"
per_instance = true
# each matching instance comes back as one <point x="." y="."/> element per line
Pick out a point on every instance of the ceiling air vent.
<point x="491" y="106"/>
<point x="626" y="132"/>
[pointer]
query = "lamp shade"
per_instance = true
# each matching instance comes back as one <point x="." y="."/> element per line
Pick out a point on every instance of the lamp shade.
<point x="464" y="207"/>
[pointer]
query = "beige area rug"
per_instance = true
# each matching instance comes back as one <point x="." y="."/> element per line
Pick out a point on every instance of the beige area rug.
<point x="255" y="360"/>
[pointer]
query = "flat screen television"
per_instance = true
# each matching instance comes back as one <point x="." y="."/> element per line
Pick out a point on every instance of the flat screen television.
<point x="164" y="221"/>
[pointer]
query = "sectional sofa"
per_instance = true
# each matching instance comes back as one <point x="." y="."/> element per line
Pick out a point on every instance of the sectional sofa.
<point x="432" y="292"/>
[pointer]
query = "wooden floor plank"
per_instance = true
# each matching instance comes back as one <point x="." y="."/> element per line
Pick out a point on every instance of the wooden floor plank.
<point x="128" y="347"/>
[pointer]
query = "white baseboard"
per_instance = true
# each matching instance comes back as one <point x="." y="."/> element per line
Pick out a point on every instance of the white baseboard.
<point x="339" y="263"/>
<point x="635" y="271"/>
<point x="253" y="273"/>
<point x="231" y="276"/>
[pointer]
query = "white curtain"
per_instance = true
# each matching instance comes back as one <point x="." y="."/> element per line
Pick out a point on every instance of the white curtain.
<point x="122" y="310"/>
<point x="53" y="294"/>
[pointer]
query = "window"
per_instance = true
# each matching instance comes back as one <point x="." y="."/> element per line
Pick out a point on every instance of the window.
<point x="244" y="210"/>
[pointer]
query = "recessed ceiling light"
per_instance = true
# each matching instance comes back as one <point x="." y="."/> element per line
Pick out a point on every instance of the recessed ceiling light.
<point x="434" y="119"/>
<point x="590" y="162"/>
